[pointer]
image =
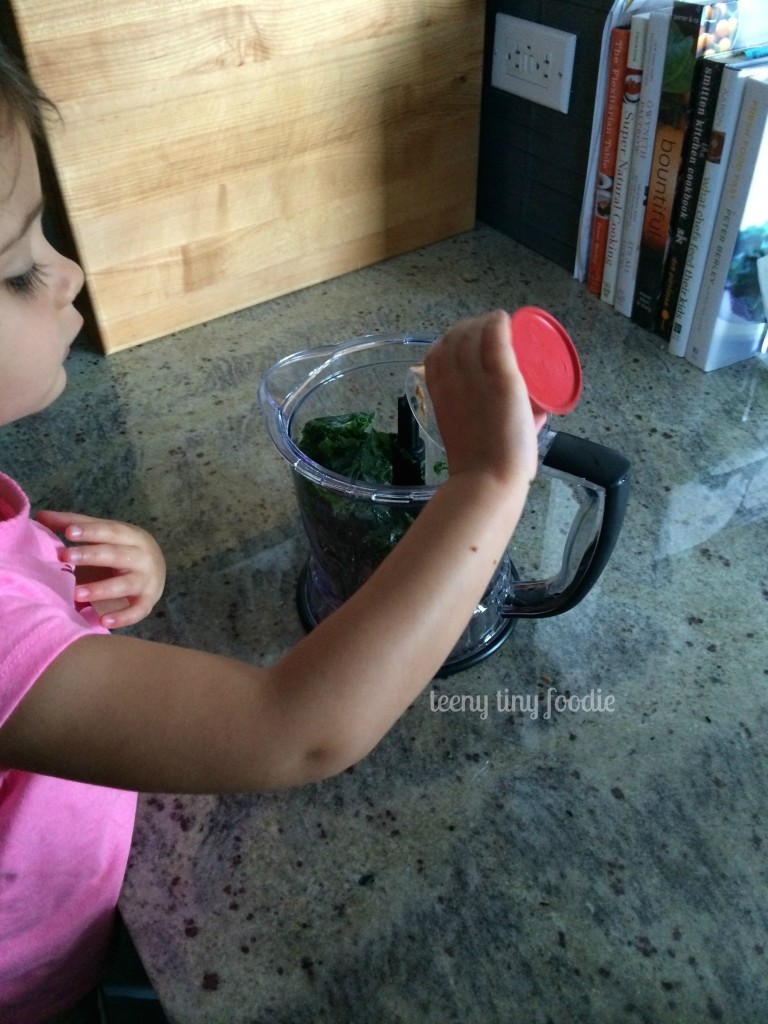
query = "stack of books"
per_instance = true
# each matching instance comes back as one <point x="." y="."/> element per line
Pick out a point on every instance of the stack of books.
<point x="679" y="230"/>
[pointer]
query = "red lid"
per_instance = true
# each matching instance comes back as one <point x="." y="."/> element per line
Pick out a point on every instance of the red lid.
<point x="547" y="360"/>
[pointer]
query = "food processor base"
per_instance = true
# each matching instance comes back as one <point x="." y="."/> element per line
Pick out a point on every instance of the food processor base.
<point x="460" y="661"/>
<point x="314" y="605"/>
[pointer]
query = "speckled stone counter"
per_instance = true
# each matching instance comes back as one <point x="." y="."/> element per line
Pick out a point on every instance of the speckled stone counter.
<point x="604" y="865"/>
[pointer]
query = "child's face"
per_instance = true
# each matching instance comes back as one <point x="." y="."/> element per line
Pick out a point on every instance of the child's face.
<point x="38" y="322"/>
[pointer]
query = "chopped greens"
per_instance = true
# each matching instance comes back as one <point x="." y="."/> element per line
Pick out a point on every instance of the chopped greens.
<point x="350" y="446"/>
<point x="349" y="537"/>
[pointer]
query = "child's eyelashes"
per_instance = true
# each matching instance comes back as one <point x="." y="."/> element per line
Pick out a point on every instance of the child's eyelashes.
<point x="28" y="282"/>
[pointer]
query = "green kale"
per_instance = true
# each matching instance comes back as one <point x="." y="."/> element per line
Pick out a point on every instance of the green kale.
<point x="349" y="445"/>
<point x="350" y="536"/>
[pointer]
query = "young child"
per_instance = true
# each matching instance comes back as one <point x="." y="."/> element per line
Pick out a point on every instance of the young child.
<point x="87" y="718"/>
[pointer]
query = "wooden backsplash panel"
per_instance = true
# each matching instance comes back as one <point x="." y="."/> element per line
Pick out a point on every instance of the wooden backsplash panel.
<point x="215" y="155"/>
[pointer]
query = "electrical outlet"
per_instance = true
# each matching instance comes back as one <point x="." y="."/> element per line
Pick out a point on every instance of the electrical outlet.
<point x="533" y="61"/>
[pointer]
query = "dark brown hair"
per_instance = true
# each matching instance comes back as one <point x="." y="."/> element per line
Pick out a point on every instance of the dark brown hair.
<point x="20" y="99"/>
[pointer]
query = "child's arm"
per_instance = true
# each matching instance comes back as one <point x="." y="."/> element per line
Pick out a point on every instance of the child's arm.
<point x="119" y="568"/>
<point x="126" y="712"/>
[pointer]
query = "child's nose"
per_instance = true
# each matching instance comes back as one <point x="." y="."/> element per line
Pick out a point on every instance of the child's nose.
<point x="70" y="279"/>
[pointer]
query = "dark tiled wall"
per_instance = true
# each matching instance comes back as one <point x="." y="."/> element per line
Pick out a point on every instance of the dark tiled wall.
<point x="533" y="160"/>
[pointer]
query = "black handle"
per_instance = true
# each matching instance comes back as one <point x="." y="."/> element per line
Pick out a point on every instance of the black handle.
<point x="595" y="468"/>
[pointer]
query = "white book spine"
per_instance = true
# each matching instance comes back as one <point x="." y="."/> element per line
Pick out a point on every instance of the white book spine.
<point x="633" y="78"/>
<point x="642" y="155"/>
<point x="747" y="145"/>
<point x="723" y="130"/>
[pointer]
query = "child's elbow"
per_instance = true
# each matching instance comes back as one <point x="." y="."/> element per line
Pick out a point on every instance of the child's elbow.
<point x="326" y="762"/>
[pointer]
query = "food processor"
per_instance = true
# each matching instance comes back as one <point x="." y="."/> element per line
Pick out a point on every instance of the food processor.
<point x="354" y="422"/>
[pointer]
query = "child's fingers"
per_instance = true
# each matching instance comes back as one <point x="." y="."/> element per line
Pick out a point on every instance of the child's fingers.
<point x="110" y="589"/>
<point x="128" y="616"/>
<point x="476" y="350"/>
<point x="117" y="620"/>
<point x="54" y="520"/>
<point x="113" y="556"/>
<point x="116" y="614"/>
<point x="496" y="353"/>
<point x="59" y="521"/>
<point x="89" y="529"/>
<point x="119" y="600"/>
<point x="120" y="568"/>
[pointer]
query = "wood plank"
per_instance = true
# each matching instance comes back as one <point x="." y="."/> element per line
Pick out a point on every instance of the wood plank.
<point x="215" y="155"/>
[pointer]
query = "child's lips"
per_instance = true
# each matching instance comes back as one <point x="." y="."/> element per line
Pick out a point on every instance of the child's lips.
<point x="75" y="330"/>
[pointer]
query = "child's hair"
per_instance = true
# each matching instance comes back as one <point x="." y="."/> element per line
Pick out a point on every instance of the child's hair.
<point x="20" y="99"/>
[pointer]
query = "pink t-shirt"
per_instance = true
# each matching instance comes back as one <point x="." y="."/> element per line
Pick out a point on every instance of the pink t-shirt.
<point x="63" y="845"/>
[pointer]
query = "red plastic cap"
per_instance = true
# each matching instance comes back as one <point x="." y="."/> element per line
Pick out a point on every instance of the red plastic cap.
<point x="547" y="360"/>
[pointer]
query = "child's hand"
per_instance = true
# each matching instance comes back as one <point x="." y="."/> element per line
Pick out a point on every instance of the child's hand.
<point x="119" y="568"/>
<point x="481" y="401"/>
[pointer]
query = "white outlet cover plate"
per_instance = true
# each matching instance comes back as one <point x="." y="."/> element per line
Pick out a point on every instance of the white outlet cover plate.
<point x="533" y="61"/>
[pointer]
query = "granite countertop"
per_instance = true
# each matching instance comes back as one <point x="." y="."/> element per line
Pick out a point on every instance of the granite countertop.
<point x="603" y="865"/>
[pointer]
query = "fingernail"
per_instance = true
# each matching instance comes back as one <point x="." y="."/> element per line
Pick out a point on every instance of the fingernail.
<point x="74" y="555"/>
<point x="74" y="531"/>
<point x="108" y="621"/>
<point x="82" y="593"/>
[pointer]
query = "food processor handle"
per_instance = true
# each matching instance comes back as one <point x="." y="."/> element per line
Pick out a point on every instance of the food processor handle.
<point x="604" y="476"/>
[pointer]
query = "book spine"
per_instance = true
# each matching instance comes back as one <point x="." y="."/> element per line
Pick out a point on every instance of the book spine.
<point x="689" y="26"/>
<point x="632" y="86"/>
<point x="607" y="162"/>
<point x="640" y="166"/>
<point x="706" y="89"/>
<point x="747" y="144"/>
<point x="717" y="159"/>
